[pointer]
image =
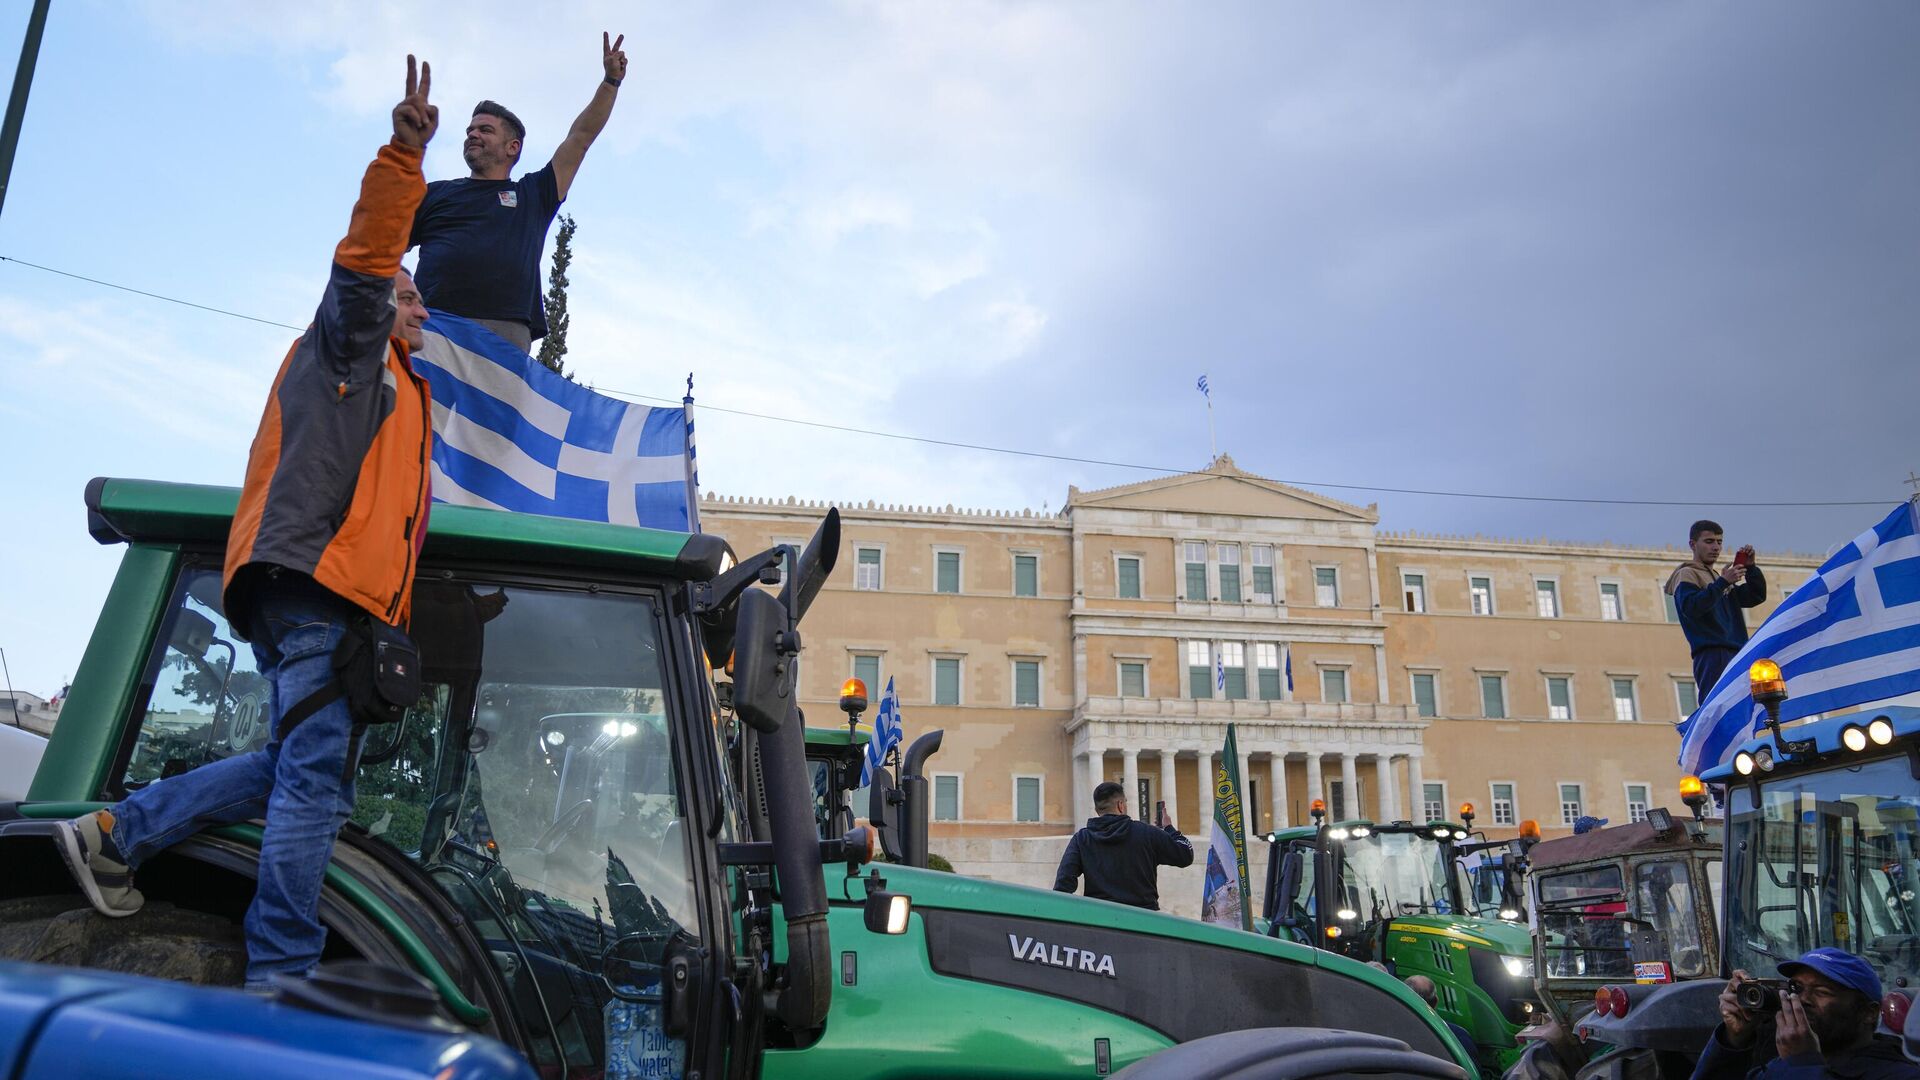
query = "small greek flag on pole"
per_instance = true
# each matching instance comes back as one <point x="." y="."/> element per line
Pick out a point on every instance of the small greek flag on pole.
<point x="508" y="434"/>
<point x="1288" y="650"/>
<point x="887" y="733"/>
<point x="1202" y="384"/>
<point x="1219" y="670"/>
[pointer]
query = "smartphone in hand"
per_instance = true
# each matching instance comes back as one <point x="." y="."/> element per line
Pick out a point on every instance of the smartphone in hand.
<point x="1160" y="813"/>
<point x="1743" y="557"/>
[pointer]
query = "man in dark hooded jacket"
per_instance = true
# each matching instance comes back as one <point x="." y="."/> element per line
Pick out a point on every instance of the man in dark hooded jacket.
<point x="1119" y="855"/>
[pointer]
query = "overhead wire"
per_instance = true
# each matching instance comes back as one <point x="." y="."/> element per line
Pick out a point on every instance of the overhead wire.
<point x="1040" y="454"/>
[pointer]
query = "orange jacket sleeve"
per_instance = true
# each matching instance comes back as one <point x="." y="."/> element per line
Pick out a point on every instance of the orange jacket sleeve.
<point x="382" y="219"/>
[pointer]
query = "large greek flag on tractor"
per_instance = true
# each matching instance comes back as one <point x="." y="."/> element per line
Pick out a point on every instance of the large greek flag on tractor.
<point x="1226" y="898"/>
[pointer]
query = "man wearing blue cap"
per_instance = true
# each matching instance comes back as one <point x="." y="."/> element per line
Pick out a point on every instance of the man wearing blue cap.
<point x="1825" y="1026"/>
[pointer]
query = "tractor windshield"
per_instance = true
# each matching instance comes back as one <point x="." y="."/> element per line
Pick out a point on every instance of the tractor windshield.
<point x="1395" y="873"/>
<point x="1826" y="858"/>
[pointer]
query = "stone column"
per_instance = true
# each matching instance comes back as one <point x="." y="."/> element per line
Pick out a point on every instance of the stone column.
<point x="1350" y="785"/>
<point x="1082" y="795"/>
<point x="1316" y="786"/>
<point x="1416" y="789"/>
<point x="1169" y="787"/>
<point x="1279" y="765"/>
<point x="1203" y="771"/>
<point x="1131" y="758"/>
<point x="1383" y="787"/>
<point x="1096" y="772"/>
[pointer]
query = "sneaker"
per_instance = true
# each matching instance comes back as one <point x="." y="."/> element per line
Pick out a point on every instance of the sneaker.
<point x="108" y="884"/>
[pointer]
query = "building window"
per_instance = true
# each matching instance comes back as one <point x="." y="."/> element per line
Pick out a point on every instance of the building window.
<point x="866" y="668"/>
<point x="946" y="680"/>
<point x="1026" y="575"/>
<point x="946" y="797"/>
<point x="946" y="571"/>
<point x="1336" y="800"/>
<point x="1333" y="685"/>
<point x="1229" y="558"/>
<point x="1636" y="802"/>
<point x="1326" y="586"/>
<point x="866" y="569"/>
<point x="1199" y="671"/>
<point x="1233" y="660"/>
<point x="1559" y="697"/>
<point x="1266" y="660"/>
<point x="1504" y="812"/>
<point x="1673" y="613"/>
<point x="1127" y="578"/>
<point x="1611" y="607"/>
<point x="1026" y="683"/>
<point x="1026" y="798"/>
<point x="1546" y="598"/>
<point x="1426" y="696"/>
<point x="1570" y="804"/>
<point x="1263" y="573"/>
<point x="1133" y="678"/>
<point x="1493" y="697"/>
<point x="1688" y="696"/>
<point x="1480" y="593"/>
<point x="1196" y="556"/>
<point x="1414" y="588"/>
<point x="1624" y="707"/>
<point x="1433" y="801"/>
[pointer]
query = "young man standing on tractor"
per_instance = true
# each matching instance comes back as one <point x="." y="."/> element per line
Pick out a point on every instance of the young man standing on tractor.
<point x="1709" y="603"/>
<point x="1119" y="856"/>
<point x="324" y="545"/>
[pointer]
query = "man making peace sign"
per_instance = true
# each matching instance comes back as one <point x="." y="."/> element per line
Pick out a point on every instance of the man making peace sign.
<point x="480" y="238"/>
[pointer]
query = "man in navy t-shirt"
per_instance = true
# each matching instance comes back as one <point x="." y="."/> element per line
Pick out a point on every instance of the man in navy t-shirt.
<point x="480" y="238"/>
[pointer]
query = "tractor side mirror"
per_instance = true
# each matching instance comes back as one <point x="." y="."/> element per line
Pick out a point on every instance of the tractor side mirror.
<point x="764" y="648"/>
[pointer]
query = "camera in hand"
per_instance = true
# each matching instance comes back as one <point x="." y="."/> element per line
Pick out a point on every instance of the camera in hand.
<point x="1763" y="996"/>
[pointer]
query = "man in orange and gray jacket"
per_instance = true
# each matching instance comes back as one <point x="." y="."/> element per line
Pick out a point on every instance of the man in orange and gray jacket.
<point x="328" y="531"/>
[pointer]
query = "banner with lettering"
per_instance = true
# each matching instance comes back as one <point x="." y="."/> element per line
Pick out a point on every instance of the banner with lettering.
<point x="1226" y="897"/>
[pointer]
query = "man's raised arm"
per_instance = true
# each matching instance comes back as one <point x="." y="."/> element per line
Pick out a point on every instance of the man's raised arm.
<point x="592" y="119"/>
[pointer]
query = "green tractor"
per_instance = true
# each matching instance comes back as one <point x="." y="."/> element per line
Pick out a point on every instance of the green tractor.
<point x="1393" y="894"/>
<point x="594" y="850"/>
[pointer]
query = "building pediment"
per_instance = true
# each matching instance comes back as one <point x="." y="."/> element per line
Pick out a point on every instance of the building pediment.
<point x="1223" y="488"/>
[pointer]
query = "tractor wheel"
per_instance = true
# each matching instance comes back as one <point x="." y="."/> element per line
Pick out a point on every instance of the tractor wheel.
<point x="160" y="940"/>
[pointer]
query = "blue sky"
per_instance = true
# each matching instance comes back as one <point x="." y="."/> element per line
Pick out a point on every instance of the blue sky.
<point x="1637" y="251"/>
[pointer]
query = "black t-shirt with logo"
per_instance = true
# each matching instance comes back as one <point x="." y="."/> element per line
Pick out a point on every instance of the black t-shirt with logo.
<point x="480" y="243"/>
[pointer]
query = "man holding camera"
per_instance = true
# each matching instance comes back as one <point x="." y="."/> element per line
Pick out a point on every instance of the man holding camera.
<point x="1823" y="1021"/>
<point x="1709" y="603"/>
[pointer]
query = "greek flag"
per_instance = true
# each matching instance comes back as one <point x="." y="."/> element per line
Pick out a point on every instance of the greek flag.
<point x="1219" y="670"/>
<point x="886" y="734"/>
<point x="1202" y="384"/>
<point x="1289" y="657"/>
<point x="1849" y="636"/>
<point x="509" y="434"/>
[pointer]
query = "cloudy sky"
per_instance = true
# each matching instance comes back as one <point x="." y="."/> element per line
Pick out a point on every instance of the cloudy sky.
<point x="1629" y="251"/>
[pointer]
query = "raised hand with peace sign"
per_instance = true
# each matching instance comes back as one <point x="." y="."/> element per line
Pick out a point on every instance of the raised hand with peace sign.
<point x="613" y="59"/>
<point x="415" y="119"/>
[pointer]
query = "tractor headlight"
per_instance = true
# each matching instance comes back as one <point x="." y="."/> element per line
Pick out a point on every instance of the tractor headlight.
<point x="1520" y="967"/>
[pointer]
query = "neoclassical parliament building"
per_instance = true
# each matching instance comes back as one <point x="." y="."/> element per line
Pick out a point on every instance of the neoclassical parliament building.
<point x="1395" y="675"/>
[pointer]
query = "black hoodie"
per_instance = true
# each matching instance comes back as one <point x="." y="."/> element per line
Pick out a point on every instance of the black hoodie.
<point x="1118" y="855"/>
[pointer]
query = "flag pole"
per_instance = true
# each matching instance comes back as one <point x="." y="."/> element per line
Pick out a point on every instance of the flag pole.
<point x="693" y="462"/>
<point x="1213" y="445"/>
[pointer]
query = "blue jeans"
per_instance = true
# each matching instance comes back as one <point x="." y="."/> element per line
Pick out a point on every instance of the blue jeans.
<point x="301" y="784"/>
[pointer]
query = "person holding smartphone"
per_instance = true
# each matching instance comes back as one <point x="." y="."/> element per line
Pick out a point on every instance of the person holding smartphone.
<point x="1121" y="857"/>
<point x="1709" y="602"/>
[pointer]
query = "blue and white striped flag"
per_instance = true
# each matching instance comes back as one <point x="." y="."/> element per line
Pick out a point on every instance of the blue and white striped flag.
<point x="1202" y="384"/>
<point x="886" y="734"/>
<point x="1219" y="670"/>
<point x="511" y="435"/>
<point x="1849" y="636"/>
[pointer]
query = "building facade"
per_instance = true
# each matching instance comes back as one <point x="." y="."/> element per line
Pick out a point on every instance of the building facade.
<point x="1392" y="675"/>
